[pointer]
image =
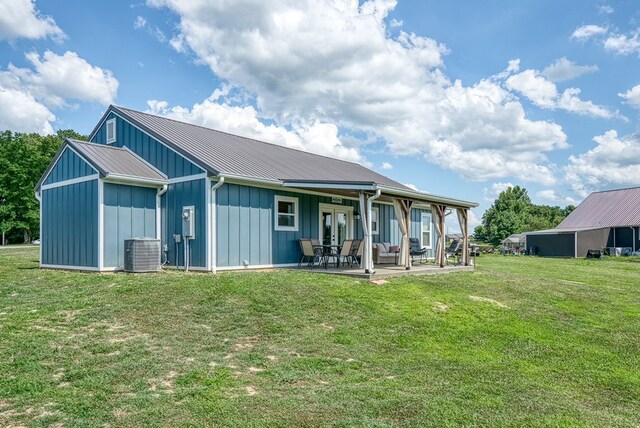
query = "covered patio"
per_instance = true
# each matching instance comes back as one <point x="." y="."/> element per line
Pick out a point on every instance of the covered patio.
<point x="403" y="201"/>
<point x="390" y="270"/>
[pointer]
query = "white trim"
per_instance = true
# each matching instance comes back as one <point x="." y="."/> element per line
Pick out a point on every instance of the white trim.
<point x="422" y="216"/>
<point x="106" y="131"/>
<point x="428" y="198"/>
<point x="296" y="213"/>
<point x="575" y="243"/>
<point x="187" y="178"/>
<point x="334" y="207"/>
<point x="252" y="267"/>
<point x="132" y="180"/>
<point x="279" y="183"/>
<point x="100" y="224"/>
<point x="69" y="267"/>
<point x="191" y="268"/>
<point x="54" y="162"/>
<point x="334" y="186"/>
<point x="70" y="182"/>
<point x="39" y="197"/>
<point x="375" y="231"/>
<point x="207" y="225"/>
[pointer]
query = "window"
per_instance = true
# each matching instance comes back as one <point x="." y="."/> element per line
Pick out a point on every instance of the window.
<point x="286" y="213"/>
<point x="375" y="224"/>
<point x="426" y="230"/>
<point x="111" y="131"/>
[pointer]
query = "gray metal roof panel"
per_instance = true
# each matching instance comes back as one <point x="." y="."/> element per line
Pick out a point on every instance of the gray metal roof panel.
<point x="610" y="208"/>
<point x="231" y="154"/>
<point x="110" y="160"/>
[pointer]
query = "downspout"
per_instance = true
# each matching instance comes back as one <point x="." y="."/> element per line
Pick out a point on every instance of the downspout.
<point x="370" y="237"/>
<point x="634" y="238"/>
<point x="38" y="195"/>
<point x="159" y="193"/>
<point x="214" y="229"/>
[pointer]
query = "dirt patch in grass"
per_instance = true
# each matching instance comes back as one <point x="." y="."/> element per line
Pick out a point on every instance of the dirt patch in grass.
<point x="488" y="300"/>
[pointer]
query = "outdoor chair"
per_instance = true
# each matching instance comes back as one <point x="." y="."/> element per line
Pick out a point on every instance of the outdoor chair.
<point x="416" y="250"/>
<point x="344" y="252"/>
<point x="453" y="250"/>
<point x="309" y="251"/>
<point x="355" y="252"/>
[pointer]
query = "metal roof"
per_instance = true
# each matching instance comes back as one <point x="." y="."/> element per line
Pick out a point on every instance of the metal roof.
<point x="115" y="161"/>
<point x="610" y="208"/>
<point x="227" y="154"/>
<point x="110" y="162"/>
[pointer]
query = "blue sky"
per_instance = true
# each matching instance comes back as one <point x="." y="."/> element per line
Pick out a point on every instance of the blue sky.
<point x="460" y="98"/>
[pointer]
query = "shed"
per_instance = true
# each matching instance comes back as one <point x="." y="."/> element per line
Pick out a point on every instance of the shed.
<point x="606" y="219"/>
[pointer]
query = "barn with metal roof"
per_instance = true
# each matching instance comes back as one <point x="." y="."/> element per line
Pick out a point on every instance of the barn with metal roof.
<point x="247" y="203"/>
<point x="608" y="220"/>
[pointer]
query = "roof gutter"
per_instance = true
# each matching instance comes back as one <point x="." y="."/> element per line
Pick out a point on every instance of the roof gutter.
<point x="425" y="197"/>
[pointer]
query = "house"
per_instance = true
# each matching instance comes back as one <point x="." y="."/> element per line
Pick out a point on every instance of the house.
<point x="607" y="219"/>
<point x="251" y="201"/>
<point x="514" y="243"/>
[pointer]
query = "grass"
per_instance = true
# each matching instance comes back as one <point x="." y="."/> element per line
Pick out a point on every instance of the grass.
<point x="518" y="342"/>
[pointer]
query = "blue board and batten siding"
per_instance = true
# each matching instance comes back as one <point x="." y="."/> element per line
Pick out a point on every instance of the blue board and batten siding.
<point x="129" y="212"/>
<point x="245" y="225"/>
<point x="69" y="229"/>
<point x="177" y="196"/>
<point x="69" y="166"/>
<point x="148" y="148"/>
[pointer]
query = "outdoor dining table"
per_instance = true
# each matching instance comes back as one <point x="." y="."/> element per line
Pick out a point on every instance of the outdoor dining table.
<point x="330" y="251"/>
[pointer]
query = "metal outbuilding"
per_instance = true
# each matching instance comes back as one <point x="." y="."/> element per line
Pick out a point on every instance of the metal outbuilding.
<point x="606" y="219"/>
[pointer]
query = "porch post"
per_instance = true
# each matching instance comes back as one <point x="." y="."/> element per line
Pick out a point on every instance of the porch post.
<point x="439" y="211"/>
<point x="463" y="220"/>
<point x="406" y="205"/>
<point x="365" y="228"/>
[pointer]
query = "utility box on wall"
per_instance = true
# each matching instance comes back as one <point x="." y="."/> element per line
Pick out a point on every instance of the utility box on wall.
<point x="188" y="222"/>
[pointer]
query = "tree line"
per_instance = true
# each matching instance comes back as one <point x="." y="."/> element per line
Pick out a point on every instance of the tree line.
<point x="513" y="212"/>
<point x="23" y="160"/>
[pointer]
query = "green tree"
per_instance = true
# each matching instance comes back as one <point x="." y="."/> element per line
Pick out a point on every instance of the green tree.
<point x="512" y="212"/>
<point x="507" y="214"/>
<point x="23" y="160"/>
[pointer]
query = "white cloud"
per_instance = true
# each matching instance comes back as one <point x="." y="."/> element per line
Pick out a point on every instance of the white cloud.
<point x="56" y="78"/>
<point x="141" y="24"/>
<point x="623" y="45"/>
<point x="215" y="113"/>
<point x="588" y="31"/>
<point x="551" y="196"/>
<point x="308" y="63"/>
<point x="565" y="69"/>
<point x="395" y="23"/>
<point x="491" y="193"/>
<point x="20" y="112"/>
<point x="614" y="161"/>
<point x="50" y="84"/>
<point x="632" y="96"/>
<point x="606" y="9"/>
<point x="21" y="19"/>
<point x="386" y="165"/>
<point x="544" y="93"/>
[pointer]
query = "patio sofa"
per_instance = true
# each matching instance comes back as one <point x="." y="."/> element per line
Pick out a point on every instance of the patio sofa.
<point x="384" y="253"/>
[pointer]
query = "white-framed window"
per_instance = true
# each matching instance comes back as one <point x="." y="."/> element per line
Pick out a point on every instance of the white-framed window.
<point x="375" y="221"/>
<point x="286" y="212"/>
<point x="425" y="230"/>
<point x="111" y="131"/>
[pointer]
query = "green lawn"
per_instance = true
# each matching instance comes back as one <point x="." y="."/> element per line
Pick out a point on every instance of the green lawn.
<point x="518" y="342"/>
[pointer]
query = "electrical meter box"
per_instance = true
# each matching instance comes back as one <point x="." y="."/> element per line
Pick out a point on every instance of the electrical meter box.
<point x="188" y="222"/>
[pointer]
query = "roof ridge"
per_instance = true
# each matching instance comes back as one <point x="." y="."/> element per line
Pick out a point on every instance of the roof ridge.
<point x="238" y="136"/>
<point x="615" y="190"/>
<point x="106" y="146"/>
